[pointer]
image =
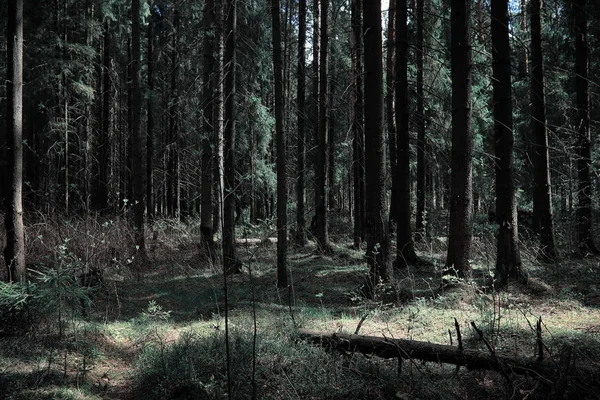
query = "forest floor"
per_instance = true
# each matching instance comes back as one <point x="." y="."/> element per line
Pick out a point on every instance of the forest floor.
<point x="159" y="334"/>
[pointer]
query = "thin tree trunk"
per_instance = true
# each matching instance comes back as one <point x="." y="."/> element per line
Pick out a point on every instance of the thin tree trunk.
<point x="542" y="196"/>
<point x="461" y="197"/>
<point x="150" y="124"/>
<point x="282" y="275"/>
<point x="391" y="83"/>
<point x="218" y="156"/>
<point x="208" y="128"/>
<point x="136" y="150"/>
<point x="378" y="242"/>
<point x="100" y="192"/>
<point x="301" y="152"/>
<point x="322" y="152"/>
<point x="14" y="252"/>
<point x="332" y="188"/>
<point x="586" y="244"/>
<point x="508" y="257"/>
<point x="230" y="261"/>
<point x="405" y="253"/>
<point x="421" y="217"/>
<point x="358" y="159"/>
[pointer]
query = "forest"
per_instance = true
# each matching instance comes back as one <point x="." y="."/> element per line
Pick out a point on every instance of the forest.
<point x="303" y="199"/>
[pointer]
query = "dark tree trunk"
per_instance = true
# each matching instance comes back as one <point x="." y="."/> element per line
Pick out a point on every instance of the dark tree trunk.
<point x="322" y="235"/>
<point x="586" y="244"/>
<point x="301" y="152"/>
<point x="150" y="124"/>
<point x="461" y="197"/>
<point x="332" y="188"/>
<point x="421" y="217"/>
<point x="218" y="156"/>
<point x="100" y="189"/>
<point x="508" y="258"/>
<point x="358" y="158"/>
<point x="208" y="129"/>
<point x="389" y="109"/>
<point x="14" y="252"/>
<point x="230" y="261"/>
<point x="378" y="242"/>
<point x="173" y="186"/>
<point x="137" y="176"/>
<point x="405" y="253"/>
<point x="282" y="275"/>
<point x="542" y="195"/>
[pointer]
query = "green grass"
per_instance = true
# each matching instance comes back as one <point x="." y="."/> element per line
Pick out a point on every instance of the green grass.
<point x="163" y="336"/>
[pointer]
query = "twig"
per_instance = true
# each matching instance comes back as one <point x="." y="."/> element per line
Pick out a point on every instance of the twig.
<point x="360" y="323"/>
<point x="450" y="334"/>
<point x="540" y="342"/>
<point x="458" y="335"/>
<point x="480" y="333"/>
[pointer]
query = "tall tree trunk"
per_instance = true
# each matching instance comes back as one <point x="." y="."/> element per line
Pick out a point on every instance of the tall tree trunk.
<point x="282" y="275"/>
<point x="208" y="128"/>
<point x="137" y="172"/>
<point x="100" y="190"/>
<point x="508" y="257"/>
<point x="421" y="217"/>
<point x="230" y="261"/>
<point x="391" y="83"/>
<point x="14" y="252"/>
<point x="405" y="253"/>
<point x="358" y="158"/>
<point x="332" y="188"/>
<point x="301" y="152"/>
<point x="322" y="153"/>
<point x="314" y="98"/>
<point x="586" y="244"/>
<point x="461" y="197"/>
<point x="542" y="195"/>
<point x="150" y="123"/>
<point x="173" y="188"/>
<point x="218" y="155"/>
<point x="378" y="242"/>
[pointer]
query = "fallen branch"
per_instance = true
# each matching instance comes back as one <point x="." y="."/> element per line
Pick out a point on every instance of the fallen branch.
<point x="471" y="359"/>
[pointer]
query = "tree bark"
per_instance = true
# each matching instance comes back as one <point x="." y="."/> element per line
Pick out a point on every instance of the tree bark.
<point x="14" y="252"/>
<point x="137" y="177"/>
<point x="280" y="139"/>
<point x="421" y="217"/>
<point x="150" y="123"/>
<point x="585" y="239"/>
<point x="508" y="257"/>
<point x="378" y="242"/>
<point x="471" y="359"/>
<point x="208" y="129"/>
<point x="230" y="262"/>
<point x="542" y="196"/>
<point x="391" y="61"/>
<point x="405" y="254"/>
<point x="358" y="136"/>
<point x="461" y="197"/>
<point x="301" y="152"/>
<point x="322" y="153"/>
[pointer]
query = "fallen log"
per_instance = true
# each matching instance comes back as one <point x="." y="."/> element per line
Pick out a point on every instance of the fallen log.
<point x="384" y="347"/>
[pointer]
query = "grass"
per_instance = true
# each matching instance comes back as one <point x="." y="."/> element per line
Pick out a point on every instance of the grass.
<point x="163" y="336"/>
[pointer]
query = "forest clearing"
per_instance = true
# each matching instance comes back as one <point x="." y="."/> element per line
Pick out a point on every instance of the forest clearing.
<point x="161" y="335"/>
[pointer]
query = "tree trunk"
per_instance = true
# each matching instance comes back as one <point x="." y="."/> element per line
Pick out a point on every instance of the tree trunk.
<point x="421" y="218"/>
<point x="586" y="244"/>
<point x="322" y="153"/>
<point x="137" y="157"/>
<point x="208" y="128"/>
<point x="301" y="152"/>
<point x="378" y="242"/>
<point x="218" y="155"/>
<point x="461" y="197"/>
<point x="332" y="188"/>
<point x="508" y="257"/>
<point x="282" y="275"/>
<point x="542" y="196"/>
<point x="405" y="253"/>
<point x="14" y="252"/>
<point x="358" y="159"/>
<point x="100" y="190"/>
<point x="230" y="261"/>
<point x="150" y="123"/>
<point x="389" y="108"/>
